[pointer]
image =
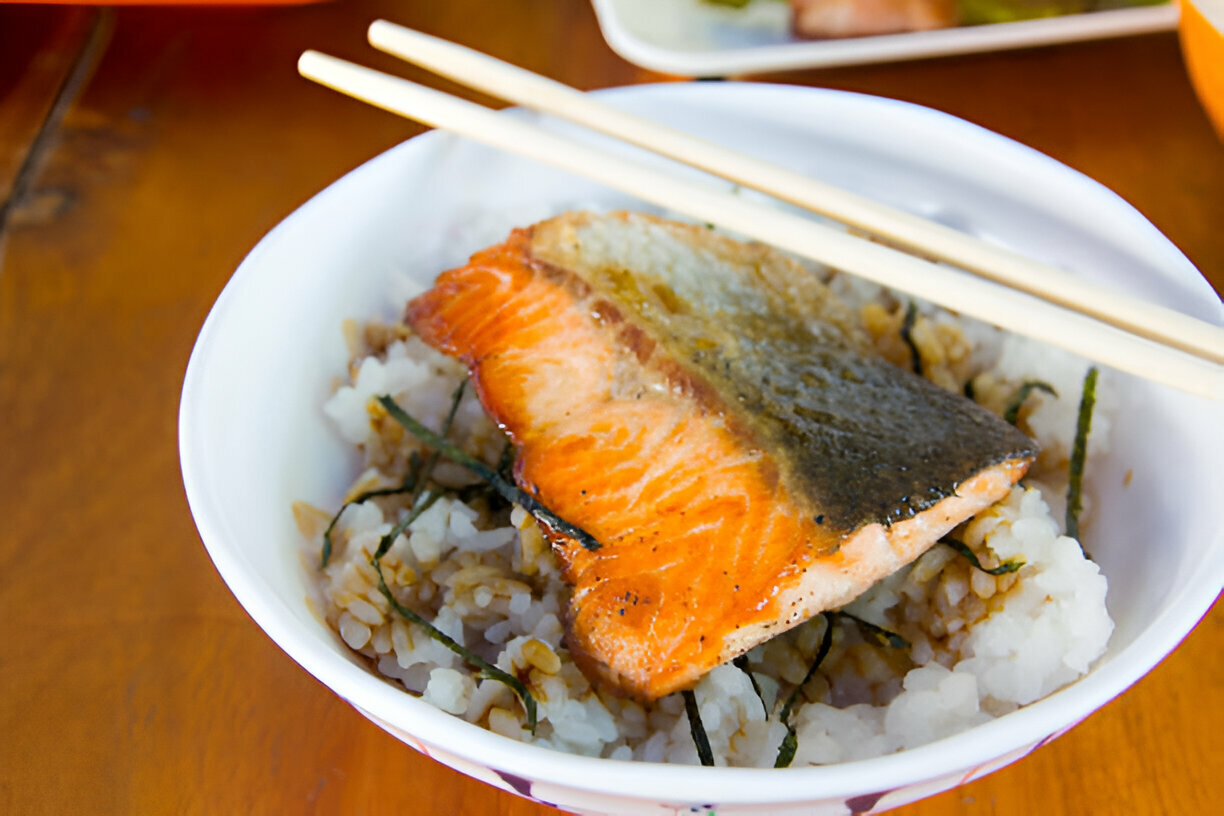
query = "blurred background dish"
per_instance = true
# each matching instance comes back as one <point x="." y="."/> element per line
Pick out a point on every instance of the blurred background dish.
<point x="718" y="38"/>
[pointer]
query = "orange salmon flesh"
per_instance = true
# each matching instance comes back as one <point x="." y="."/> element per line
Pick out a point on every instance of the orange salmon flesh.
<point x="712" y="536"/>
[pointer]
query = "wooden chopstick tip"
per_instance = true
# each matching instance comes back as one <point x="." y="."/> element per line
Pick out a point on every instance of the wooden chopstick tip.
<point x="327" y="70"/>
<point x="381" y="32"/>
<point x="379" y="27"/>
<point x="309" y="58"/>
<point x="417" y="47"/>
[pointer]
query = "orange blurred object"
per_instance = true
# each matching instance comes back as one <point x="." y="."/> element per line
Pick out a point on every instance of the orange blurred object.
<point x="161" y="2"/>
<point x="1202" y="39"/>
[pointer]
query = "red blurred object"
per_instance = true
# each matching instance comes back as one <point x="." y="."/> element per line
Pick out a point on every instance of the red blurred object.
<point x="161" y="2"/>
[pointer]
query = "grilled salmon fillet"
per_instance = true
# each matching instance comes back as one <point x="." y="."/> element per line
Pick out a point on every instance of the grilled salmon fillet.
<point x="710" y="414"/>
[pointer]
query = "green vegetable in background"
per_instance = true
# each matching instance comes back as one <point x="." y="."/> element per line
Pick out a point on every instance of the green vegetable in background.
<point x="979" y="12"/>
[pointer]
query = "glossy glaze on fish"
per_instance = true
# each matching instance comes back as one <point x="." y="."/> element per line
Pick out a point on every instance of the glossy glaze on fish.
<point x="711" y="415"/>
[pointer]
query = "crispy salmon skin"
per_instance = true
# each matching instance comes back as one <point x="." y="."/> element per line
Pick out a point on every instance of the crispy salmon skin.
<point x="710" y="413"/>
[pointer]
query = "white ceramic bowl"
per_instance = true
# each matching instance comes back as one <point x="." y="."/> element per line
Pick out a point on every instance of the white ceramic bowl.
<point x="253" y="438"/>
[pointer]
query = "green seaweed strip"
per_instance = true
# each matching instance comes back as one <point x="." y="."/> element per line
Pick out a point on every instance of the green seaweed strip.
<point x="505" y="461"/>
<point x="420" y="505"/>
<point x="741" y="663"/>
<point x="1079" y="453"/>
<point x="386" y="541"/>
<point x="418" y="476"/>
<point x="790" y="743"/>
<point x="883" y="636"/>
<point x="786" y="750"/>
<point x="907" y="334"/>
<point x="434" y="456"/>
<point x="487" y="669"/>
<point x="963" y="548"/>
<point x="407" y="486"/>
<point x="1013" y="408"/>
<point x="696" y="728"/>
<point x="504" y="488"/>
<point x="414" y="479"/>
<point x="426" y="473"/>
<point x="826" y="643"/>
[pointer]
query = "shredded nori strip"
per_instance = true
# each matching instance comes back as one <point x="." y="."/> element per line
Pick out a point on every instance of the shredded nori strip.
<point x="881" y="635"/>
<point x="696" y="728"/>
<point x="487" y="669"/>
<point x="506" y="461"/>
<point x="420" y="507"/>
<point x="826" y="642"/>
<point x="786" y="751"/>
<point x="414" y="480"/>
<point x="418" y="476"/>
<point x="1013" y="408"/>
<point x="1079" y="453"/>
<point x="963" y="548"/>
<point x="506" y="489"/>
<point x="407" y="486"/>
<point x="741" y="663"/>
<point x="907" y="334"/>
<point x="432" y="462"/>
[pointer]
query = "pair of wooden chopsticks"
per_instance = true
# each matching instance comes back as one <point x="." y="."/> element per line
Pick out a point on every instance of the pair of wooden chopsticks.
<point x="1009" y="291"/>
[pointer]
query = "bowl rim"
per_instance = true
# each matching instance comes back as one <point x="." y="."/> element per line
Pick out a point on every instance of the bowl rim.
<point x="657" y="781"/>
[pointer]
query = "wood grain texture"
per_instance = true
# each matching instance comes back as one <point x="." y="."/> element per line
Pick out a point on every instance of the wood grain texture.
<point x="39" y="50"/>
<point x="130" y="680"/>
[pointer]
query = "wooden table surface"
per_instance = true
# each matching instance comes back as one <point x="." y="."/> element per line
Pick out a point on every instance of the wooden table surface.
<point x="143" y="151"/>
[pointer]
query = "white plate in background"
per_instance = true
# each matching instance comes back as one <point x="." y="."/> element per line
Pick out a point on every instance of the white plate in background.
<point x="694" y="38"/>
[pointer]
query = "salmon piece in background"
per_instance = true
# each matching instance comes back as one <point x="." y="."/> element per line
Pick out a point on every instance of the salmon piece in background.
<point x="864" y="18"/>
